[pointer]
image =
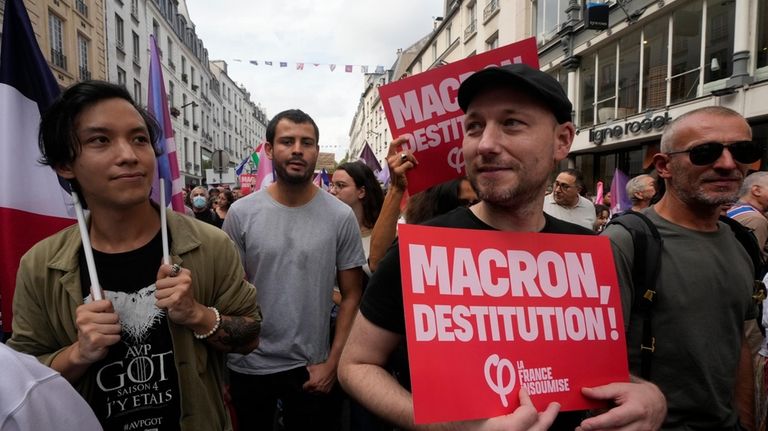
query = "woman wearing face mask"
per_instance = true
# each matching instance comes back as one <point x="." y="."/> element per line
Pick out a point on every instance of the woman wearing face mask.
<point x="199" y="198"/>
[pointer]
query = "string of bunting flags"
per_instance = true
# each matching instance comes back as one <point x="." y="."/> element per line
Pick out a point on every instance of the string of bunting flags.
<point x="348" y="68"/>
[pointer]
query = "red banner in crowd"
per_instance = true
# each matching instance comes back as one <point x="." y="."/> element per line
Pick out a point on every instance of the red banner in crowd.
<point x="424" y="108"/>
<point x="247" y="183"/>
<point x="490" y="312"/>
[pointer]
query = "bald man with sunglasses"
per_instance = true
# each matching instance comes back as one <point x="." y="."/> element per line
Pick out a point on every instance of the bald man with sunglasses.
<point x="702" y="301"/>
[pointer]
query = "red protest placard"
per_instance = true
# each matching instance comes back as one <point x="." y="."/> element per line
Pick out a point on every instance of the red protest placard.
<point x="424" y="108"/>
<point x="247" y="183"/>
<point x="489" y="312"/>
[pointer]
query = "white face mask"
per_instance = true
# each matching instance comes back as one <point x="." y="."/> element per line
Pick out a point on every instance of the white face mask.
<point x="199" y="202"/>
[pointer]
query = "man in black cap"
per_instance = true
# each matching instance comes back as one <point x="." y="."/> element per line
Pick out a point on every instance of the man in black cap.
<point x="516" y="128"/>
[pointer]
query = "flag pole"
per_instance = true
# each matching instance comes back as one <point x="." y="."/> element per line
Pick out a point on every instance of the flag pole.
<point x="96" y="292"/>
<point x="164" y="224"/>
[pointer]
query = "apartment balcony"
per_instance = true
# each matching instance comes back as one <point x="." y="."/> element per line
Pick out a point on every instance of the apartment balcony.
<point x="491" y="9"/>
<point x="58" y="58"/>
<point x="470" y="30"/>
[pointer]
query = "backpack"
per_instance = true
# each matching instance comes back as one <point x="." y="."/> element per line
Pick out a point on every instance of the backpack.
<point x="647" y="244"/>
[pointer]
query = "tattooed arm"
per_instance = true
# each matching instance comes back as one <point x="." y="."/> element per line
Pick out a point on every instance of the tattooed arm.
<point x="236" y="334"/>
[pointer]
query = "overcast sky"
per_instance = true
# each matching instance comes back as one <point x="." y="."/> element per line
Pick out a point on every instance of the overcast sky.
<point x="341" y="32"/>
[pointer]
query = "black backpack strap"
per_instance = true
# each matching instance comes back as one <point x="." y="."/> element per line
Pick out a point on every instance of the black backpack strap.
<point x="647" y="245"/>
<point x="747" y="240"/>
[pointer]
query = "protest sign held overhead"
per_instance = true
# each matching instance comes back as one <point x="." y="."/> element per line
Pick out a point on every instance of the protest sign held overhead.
<point x="424" y="108"/>
<point x="492" y="312"/>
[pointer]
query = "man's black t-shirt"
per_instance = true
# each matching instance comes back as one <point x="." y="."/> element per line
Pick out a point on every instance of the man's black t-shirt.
<point x="382" y="302"/>
<point x="137" y="385"/>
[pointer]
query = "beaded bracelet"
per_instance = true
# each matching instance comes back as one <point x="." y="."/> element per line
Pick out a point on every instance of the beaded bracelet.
<point x="214" y="329"/>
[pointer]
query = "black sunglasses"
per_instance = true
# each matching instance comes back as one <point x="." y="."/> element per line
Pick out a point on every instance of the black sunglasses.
<point x="705" y="154"/>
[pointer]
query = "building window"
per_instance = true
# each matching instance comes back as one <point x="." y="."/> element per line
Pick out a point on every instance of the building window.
<point x="686" y="52"/>
<point x="156" y="31"/>
<point x="629" y="75"/>
<point x="82" y="54"/>
<point x="587" y="91"/>
<point x="119" y="32"/>
<point x="169" y="51"/>
<point x="471" y="28"/>
<point x="655" y="37"/>
<point x="81" y="7"/>
<point x="137" y="91"/>
<point x="492" y="42"/>
<point x="171" y="93"/>
<point x="448" y="34"/>
<point x="549" y="15"/>
<point x="434" y="51"/>
<point x="561" y="76"/>
<point x="120" y="76"/>
<point x="56" y="35"/>
<point x="762" y="34"/>
<point x="606" y="84"/>
<point x="135" y="9"/>
<point x="136" y="48"/>
<point x="718" y="45"/>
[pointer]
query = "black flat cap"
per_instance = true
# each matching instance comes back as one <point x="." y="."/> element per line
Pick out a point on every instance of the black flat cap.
<point x="523" y="77"/>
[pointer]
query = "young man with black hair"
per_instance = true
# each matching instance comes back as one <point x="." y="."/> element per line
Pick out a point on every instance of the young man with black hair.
<point x="296" y="242"/>
<point x="151" y="354"/>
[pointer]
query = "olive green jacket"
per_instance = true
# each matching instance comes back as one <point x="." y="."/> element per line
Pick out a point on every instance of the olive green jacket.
<point x="48" y="291"/>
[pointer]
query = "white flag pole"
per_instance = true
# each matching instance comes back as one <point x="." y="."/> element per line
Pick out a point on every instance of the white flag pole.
<point x="164" y="224"/>
<point x="96" y="292"/>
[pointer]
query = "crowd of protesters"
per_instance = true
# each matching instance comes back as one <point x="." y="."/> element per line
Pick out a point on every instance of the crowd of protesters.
<point x="282" y="310"/>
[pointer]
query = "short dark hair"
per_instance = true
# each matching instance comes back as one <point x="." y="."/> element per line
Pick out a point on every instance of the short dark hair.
<point x="434" y="201"/>
<point x="363" y="176"/>
<point x="577" y="175"/>
<point x="57" y="139"/>
<point x="295" y="116"/>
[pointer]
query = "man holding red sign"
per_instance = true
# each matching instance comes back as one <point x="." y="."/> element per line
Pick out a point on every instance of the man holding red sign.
<point x="517" y="126"/>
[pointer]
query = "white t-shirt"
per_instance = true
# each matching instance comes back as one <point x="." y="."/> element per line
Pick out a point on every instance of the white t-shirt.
<point x="35" y="397"/>
<point x="583" y="214"/>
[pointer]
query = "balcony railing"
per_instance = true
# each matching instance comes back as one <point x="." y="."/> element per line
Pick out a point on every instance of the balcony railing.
<point x="470" y="30"/>
<point x="85" y="74"/>
<point x="490" y="9"/>
<point x="58" y="58"/>
<point x="82" y="7"/>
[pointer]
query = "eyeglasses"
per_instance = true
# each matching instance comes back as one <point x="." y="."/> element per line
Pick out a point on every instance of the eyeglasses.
<point x="705" y="154"/>
<point x="565" y="187"/>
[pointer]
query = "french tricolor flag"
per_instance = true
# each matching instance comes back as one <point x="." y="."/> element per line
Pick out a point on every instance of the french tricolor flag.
<point x="33" y="204"/>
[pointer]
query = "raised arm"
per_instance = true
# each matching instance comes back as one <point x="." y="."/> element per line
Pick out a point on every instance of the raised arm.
<point x="385" y="229"/>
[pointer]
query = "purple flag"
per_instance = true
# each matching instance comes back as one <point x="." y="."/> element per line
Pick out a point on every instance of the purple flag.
<point x="167" y="161"/>
<point x="369" y="158"/>
<point x="620" y="202"/>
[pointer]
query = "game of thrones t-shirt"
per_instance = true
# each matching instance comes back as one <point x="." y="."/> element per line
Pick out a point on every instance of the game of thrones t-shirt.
<point x="137" y="385"/>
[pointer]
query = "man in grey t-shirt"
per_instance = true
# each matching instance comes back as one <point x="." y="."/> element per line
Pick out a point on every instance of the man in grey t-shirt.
<point x="703" y="290"/>
<point x="296" y="242"/>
